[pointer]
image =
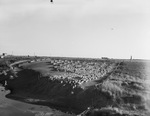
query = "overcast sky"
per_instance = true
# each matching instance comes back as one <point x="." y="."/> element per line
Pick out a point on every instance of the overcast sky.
<point x="76" y="28"/>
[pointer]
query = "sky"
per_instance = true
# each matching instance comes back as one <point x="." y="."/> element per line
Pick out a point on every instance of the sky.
<point x="76" y="28"/>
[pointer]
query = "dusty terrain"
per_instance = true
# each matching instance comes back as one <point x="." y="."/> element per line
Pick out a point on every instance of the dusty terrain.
<point x="79" y="86"/>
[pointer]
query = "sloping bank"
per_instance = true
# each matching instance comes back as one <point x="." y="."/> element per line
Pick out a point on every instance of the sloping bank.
<point x="28" y="87"/>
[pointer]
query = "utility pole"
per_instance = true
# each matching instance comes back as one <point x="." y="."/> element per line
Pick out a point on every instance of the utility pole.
<point x="130" y="58"/>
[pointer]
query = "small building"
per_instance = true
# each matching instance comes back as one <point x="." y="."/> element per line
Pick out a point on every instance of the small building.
<point x="4" y="54"/>
<point x="105" y="58"/>
<point x="1" y="56"/>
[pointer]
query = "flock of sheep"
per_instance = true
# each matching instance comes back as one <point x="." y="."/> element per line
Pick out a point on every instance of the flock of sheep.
<point x="78" y="72"/>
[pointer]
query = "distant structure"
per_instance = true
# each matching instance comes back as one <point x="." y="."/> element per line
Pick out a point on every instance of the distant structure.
<point x="130" y="58"/>
<point x="105" y="58"/>
<point x="3" y="55"/>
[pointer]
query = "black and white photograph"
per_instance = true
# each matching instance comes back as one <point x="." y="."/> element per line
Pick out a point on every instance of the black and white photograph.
<point x="74" y="58"/>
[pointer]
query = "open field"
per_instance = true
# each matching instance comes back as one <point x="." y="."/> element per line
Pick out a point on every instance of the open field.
<point x="79" y="86"/>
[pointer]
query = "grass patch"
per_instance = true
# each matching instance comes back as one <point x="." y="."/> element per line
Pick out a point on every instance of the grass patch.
<point x="112" y="88"/>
